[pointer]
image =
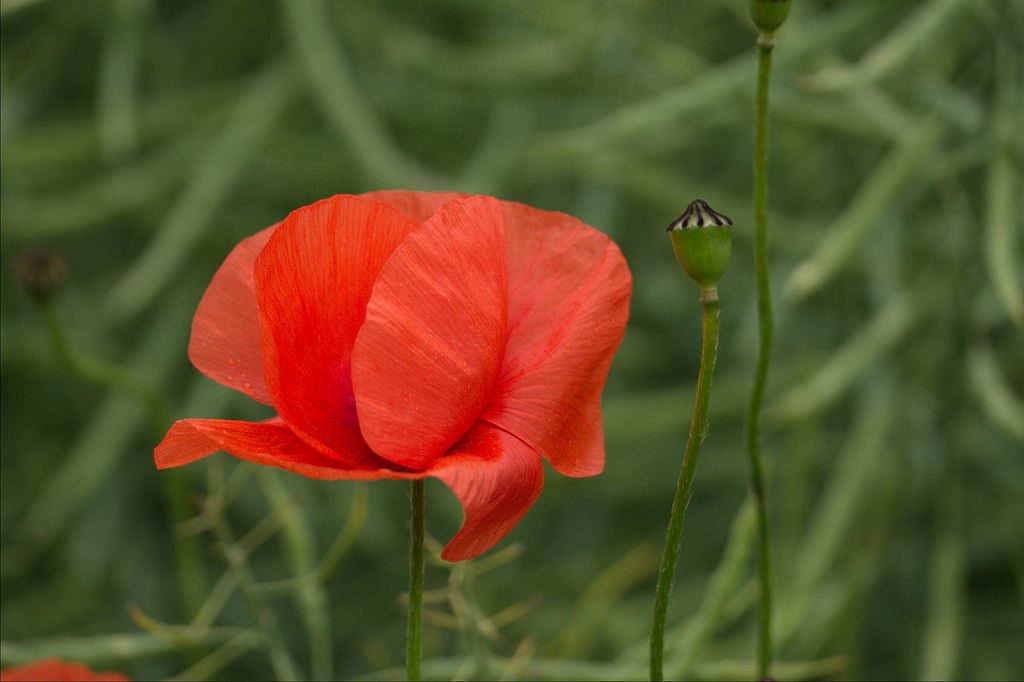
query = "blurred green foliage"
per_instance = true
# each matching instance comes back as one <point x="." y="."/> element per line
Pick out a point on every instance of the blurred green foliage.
<point x="143" y="138"/>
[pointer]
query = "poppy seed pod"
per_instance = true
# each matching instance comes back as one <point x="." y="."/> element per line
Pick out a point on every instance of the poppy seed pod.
<point x="41" y="273"/>
<point x="768" y="15"/>
<point x="702" y="241"/>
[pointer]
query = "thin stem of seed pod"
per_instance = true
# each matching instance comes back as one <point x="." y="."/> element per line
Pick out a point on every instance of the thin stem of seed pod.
<point x="102" y="373"/>
<point x="414" y="632"/>
<point x="764" y="309"/>
<point x="684" y="488"/>
<point x="188" y="556"/>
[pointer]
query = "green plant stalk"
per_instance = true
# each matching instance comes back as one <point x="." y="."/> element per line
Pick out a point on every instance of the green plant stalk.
<point x="684" y="488"/>
<point x="765" y="43"/>
<point x="186" y="550"/>
<point x="472" y="625"/>
<point x="346" y="537"/>
<point x="265" y="621"/>
<point x="310" y="596"/>
<point x="414" y="632"/>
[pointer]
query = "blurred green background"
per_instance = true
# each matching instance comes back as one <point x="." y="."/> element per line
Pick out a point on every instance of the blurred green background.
<point x="141" y="139"/>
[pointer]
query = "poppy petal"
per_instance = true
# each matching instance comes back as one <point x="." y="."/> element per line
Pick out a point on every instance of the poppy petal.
<point x="271" y="443"/>
<point x="225" y="343"/>
<point x="496" y="478"/>
<point x="418" y="206"/>
<point x="313" y="281"/>
<point x="569" y="290"/>
<point x="55" y="670"/>
<point x="429" y="353"/>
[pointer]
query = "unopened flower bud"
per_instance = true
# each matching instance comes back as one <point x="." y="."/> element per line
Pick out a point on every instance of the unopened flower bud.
<point x="768" y="15"/>
<point x="40" y="272"/>
<point x="702" y="241"/>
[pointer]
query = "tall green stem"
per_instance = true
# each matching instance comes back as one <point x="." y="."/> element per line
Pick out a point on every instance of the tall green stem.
<point x="414" y="633"/>
<point x="765" y="43"/>
<point x="684" y="488"/>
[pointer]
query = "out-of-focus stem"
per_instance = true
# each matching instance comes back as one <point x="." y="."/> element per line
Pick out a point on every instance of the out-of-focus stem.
<point x="96" y="371"/>
<point x="310" y="596"/>
<point x="765" y="43"/>
<point x="188" y="557"/>
<point x="238" y="563"/>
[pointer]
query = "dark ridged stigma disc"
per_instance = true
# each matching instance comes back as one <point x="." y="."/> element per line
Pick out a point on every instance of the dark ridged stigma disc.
<point x="699" y="214"/>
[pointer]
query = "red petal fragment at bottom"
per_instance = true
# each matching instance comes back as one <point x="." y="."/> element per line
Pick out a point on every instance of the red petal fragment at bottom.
<point x="496" y="478"/>
<point x="54" y="670"/>
<point x="271" y="443"/>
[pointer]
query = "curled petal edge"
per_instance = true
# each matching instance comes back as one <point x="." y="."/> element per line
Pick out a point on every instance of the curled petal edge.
<point x="495" y="476"/>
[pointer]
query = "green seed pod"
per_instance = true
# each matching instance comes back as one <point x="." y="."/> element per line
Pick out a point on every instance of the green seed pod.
<point x="702" y="241"/>
<point x="768" y="15"/>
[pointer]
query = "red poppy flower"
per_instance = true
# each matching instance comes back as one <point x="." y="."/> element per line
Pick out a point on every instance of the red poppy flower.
<point x="402" y="335"/>
<point x="53" y="670"/>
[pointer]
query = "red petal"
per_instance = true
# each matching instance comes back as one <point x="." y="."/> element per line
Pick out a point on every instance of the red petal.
<point x="497" y="478"/>
<point x="55" y="670"/>
<point x="225" y="344"/>
<point x="271" y="443"/>
<point x="427" y="357"/>
<point x="569" y="293"/>
<point x="313" y="281"/>
<point x="418" y="206"/>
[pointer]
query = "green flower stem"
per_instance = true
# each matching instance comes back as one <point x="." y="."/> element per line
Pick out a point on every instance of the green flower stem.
<point x="765" y="43"/>
<point x="414" y="633"/>
<point x="684" y="488"/>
